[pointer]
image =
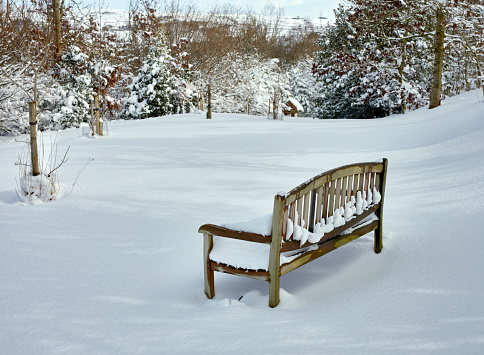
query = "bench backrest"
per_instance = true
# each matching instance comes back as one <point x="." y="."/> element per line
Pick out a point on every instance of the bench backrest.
<point x="318" y="199"/>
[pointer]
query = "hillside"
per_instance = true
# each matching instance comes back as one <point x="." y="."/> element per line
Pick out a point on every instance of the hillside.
<point x="114" y="266"/>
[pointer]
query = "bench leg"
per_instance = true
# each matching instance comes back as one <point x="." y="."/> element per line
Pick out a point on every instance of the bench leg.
<point x="274" y="291"/>
<point x="378" y="240"/>
<point x="207" y="271"/>
<point x="379" y="234"/>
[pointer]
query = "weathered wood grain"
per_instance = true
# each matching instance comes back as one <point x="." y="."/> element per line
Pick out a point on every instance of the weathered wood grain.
<point x="275" y="251"/>
<point x="208" y="272"/>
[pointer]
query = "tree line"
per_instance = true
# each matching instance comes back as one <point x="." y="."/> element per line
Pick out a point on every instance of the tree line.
<point x="389" y="56"/>
<point x="375" y="59"/>
<point x="60" y="55"/>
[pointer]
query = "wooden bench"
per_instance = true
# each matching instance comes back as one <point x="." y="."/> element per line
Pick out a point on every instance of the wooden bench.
<point x="316" y="217"/>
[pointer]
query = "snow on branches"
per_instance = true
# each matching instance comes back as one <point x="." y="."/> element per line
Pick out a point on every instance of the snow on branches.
<point x="161" y="86"/>
<point x="367" y="64"/>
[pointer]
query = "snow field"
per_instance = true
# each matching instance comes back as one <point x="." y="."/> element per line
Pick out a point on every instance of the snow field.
<point x="116" y="266"/>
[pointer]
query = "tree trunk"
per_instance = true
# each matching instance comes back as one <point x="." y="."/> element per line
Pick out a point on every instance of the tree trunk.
<point x="438" y="59"/>
<point x="209" y="104"/>
<point x="57" y="27"/>
<point x="33" y="138"/>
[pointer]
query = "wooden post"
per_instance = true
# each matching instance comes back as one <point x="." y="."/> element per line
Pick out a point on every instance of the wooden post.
<point x="209" y="105"/>
<point x="99" y="128"/>
<point x="379" y="230"/>
<point x="207" y="272"/>
<point x="275" y="251"/>
<point x="92" y="119"/>
<point x="33" y="138"/>
<point x="274" y="107"/>
<point x="200" y="100"/>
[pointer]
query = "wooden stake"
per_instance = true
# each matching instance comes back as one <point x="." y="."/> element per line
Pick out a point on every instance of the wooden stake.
<point x="33" y="138"/>
<point x="98" y="116"/>
<point x="92" y="119"/>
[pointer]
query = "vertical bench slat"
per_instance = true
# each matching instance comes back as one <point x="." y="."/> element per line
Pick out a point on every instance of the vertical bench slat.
<point x="312" y="211"/>
<point x="292" y="215"/>
<point x="355" y="184"/>
<point x="350" y="188"/>
<point x="284" y="223"/>
<point x="326" y="202"/>
<point x="319" y="204"/>
<point x="305" y="222"/>
<point x="361" y="181"/>
<point x="337" y="196"/>
<point x="331" y="198"/>
<point x="367" y="182"/>
<point x="343" y="191"/>
<point x="299" y="211"/>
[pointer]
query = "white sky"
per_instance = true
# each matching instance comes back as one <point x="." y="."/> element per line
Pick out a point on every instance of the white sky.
<point x="292" y="8"/>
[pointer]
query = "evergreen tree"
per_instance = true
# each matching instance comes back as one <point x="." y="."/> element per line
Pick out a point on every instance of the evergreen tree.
<point x="183" y="96"/>
<point x="67" y="103"/>
<point x="363" y="64"/>
<point x="150" y="92"/>
<point x="72" y="104"/>
<point x="303" y="85"/>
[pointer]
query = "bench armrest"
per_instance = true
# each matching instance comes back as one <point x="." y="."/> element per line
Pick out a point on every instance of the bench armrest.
<point x="230" y="233"/>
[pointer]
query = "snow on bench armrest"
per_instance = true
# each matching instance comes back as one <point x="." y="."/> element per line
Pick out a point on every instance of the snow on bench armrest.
<point x="260" y="225"/>
<point x="257" y="230"/>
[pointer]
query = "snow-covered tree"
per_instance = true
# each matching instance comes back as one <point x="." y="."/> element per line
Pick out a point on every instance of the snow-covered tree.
<point x="247" y="84"/>
<point x="150" y="92"/>
<point x="182" y="96"/>
<point x="72" y="104"/>
<point x="303" y="85"/>
<point x="365" y="66"/>
<point x="78" y="78"/>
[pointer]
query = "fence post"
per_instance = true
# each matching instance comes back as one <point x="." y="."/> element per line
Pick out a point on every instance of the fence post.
<point x="33" y="138"/>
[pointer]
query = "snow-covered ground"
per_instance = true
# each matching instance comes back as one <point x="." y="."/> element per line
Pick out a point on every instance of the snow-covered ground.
<point x="115" y="267"/>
